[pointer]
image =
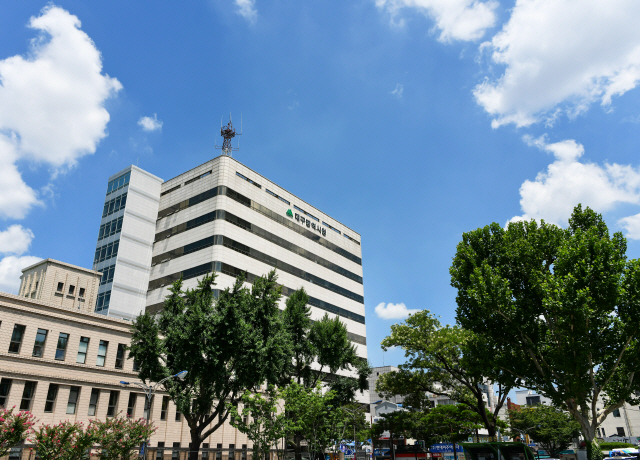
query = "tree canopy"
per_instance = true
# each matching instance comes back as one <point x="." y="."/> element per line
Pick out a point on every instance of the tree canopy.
<point x="557" y="309"/>
<point x="442" y="360"/>
<point x="228" y="345"/>
<point x="553" y="429"/>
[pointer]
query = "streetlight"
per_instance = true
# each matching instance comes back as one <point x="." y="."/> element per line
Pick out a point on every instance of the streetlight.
<point x="149" y="391"/>
<point x="355" y="444"/>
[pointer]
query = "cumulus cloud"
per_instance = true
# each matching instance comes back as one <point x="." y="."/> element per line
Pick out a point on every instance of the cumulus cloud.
<point x="568" y="181"/>
<point x="454" y="19"/>
<point x="393" y="311"/>
<point x="398" y="91"/>
<point x="11" y="270"/>
<point x="150" y="124"/>
<point x="560" y="56"/>
<point x="15" y="240"/>
<point x="247" y="9"/>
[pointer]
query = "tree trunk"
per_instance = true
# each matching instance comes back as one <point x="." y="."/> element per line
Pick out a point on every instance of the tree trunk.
<point x="194" y="450"/>
<point x="297" y="439"/>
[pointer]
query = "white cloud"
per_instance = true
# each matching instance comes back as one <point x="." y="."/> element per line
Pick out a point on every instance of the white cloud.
<point x="11" y="270"/>
<point x="393" y="311"/>
<point x="455" y="19"/>
<point x="560" y="56"/>
<point x="15" y="240"/>
<point x="247" y="9"/>
<point x="568" y="181"/>
<point x="51" y="104"/>
<point x="150" y="124"/>
<point x="398" y="91"/>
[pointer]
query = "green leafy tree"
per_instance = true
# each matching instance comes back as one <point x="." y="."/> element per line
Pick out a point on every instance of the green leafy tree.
<point x="443" y="360"/>
<point x="398" y="423"/>
<point x="326" y="343"/>
<point x="262" y="419"/>
<point x="231" y="345"/>
<point x="452" y="423"/>
<point x="316" y="417"/>
<point x="549" y="426"/>
<point x="118" y="437"/>
<point x="14" y="428"/>
<point x="63" y="441"/>
<point x="557" y="309"/>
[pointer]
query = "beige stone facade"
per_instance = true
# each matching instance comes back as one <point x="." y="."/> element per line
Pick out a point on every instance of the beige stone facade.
<point x="65" y="364"/>
<point x="60" y="283"/>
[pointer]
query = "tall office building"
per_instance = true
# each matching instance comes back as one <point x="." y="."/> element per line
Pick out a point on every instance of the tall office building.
<point x="125" y="242"/>
<point x="221" y="216"/>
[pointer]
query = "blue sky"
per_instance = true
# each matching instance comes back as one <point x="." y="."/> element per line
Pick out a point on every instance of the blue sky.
<point x="410" y="121"/>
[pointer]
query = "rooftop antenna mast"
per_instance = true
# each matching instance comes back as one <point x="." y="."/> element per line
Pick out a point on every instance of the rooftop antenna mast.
<point x="228" y="132"/>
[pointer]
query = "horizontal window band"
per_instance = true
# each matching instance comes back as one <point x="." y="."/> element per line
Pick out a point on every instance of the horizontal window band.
<point x="252" y="228"/>
<point x="220" y="240"/>
<point x="226" y="191"/>
<point x="227" y="269"/>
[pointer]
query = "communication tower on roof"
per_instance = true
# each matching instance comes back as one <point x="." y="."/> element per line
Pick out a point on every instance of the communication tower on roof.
<point x="229" y="132"/>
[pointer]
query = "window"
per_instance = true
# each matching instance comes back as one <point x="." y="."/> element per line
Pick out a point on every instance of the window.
<point x="93" y="402"/>
<point x="113" y="403"/>
<point x="74" y="392"/>
<point x="5" y="387"/>
<point x="163" y="409"/>
<point x="110" y="228"/>
<point x="82" y="350"/>
<point x="160" y="451"/>
<point x="178" y="415"/>
<point x="72" y="289"/>
<point x="306" y="213"/>
<point x="118" y="183"/>
<point x="147" y="407"/>
<point x="120" y="356"/>
<point x="173" y="189"/>
<point x="616" y="412"/>
<point x="52" y="394"/>
<point x="332" y="228"/>
<point x="354" y="240"/>
<point x="60" y="287"/>
<point x="102" y="303"/>
<point x="205" y="451"/>
<point x="248" y="180"/>
<point x="232" y="453"/>
<point x="620" y="431"/>
<point x="176" y="453"/>
<point x="131" y="405"/>
<point x="81" y="292"/>
<point x="61" y="348"/>
<point x="107" y="274"/>
<point x="106" y="252"/>
<point x="114" y="205"/>
<point x="27" y="395"/>
<point x="102" y="353"/>
<point x="193" y="180"/>
<point x="38" y="346"/>
<point x="533" y="400"/>
<point x="219" y="452"/>
<point x="277" y="196"/>
<point x="16" y="338"/>
<point x="136" y="368"/>
<point x="244" y="452"/>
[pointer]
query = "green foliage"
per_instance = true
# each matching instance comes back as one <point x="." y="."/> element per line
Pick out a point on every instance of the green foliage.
<point x="63" y="441"/>
<point x="298" y="324"/>
<point x="231" y="345"/>
<point x="558" y="309"/>
<point x="266" y="423"/>
<point x="615" y="445"/>
<point x="14" y="428"/>
<point x="549" y="426"/>
<point x="442" y="360"/>
<point x="313" y="416"/>
<point x="119" y="436"/>
<point x="451" y="423"/>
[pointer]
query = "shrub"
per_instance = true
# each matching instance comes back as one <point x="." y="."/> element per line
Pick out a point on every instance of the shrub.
<point x="119" y="436"/>
<point x="615" y="445"/>
<point x="63" y="441"/>
<point x="14" y="428"/>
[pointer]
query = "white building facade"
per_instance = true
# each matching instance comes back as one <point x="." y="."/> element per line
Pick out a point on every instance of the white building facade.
<point x="222" y="216"/>
<point x="125" y="242"/>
